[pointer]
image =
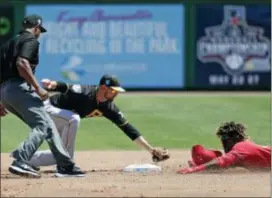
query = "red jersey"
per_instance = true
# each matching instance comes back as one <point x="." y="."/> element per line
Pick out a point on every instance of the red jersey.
<point x="248" y="155"/>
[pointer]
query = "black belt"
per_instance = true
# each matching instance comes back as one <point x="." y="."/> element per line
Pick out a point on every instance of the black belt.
<point x="11" y="80"/>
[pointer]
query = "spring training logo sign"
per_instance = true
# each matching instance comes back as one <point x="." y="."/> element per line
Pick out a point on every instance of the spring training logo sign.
<point x="234" y="44"/>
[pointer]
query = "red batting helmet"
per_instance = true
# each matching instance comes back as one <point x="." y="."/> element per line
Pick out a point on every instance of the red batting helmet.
<point x="200" y="155"/>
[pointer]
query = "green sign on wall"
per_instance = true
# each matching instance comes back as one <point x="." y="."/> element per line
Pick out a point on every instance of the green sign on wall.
<point x="6" y="22"/>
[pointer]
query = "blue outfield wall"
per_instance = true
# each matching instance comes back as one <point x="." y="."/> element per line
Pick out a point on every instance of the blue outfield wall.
<point x="178" y="45"/>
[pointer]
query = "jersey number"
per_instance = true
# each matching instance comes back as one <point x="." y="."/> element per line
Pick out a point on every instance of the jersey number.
<point x="95" y="113"/>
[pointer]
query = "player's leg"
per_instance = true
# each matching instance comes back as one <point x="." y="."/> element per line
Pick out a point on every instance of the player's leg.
<point x="67" y="123"/>
<point x="31" y="110"/>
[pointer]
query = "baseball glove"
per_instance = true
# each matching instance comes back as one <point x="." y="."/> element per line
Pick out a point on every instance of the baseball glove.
<point x="159" y="154"/>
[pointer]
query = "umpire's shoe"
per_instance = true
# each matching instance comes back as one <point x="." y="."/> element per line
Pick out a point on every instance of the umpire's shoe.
<point x="71" y="171"/>
<point x="23" y="169"/>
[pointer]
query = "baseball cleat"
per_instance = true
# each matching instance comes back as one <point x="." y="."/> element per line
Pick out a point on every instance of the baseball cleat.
<point x="22" y="169"/>
<point x="36" y="168"/>
<point x="73" y="171"/>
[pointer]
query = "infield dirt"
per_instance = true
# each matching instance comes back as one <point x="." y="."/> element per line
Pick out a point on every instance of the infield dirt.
<point x="104" y="179"/>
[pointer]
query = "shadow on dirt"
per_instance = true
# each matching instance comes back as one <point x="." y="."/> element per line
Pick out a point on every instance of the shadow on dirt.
<point x="10" y="176"/>
<point x="50" y="173"/>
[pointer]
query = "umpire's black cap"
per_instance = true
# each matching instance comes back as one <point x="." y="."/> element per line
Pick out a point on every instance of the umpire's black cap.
<point x="112" y="82"/>
<point x="32" y="21"/>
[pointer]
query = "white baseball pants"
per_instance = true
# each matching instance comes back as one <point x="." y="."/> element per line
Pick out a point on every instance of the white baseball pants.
<point x="67" y="123"/>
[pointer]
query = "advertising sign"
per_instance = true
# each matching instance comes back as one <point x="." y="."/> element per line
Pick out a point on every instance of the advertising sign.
<point x="6" y="23"/>
<point x="142" y="45"/>
<point x="233" y="46"/>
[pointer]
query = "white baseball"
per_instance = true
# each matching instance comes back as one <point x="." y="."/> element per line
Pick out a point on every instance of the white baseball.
<point x="234" y="61"/>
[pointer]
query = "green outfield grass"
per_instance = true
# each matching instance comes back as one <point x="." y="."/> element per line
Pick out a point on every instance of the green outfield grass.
<point x="171" y="121"/>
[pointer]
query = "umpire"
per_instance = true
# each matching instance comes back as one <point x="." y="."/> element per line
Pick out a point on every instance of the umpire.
<point x="22" y="95"/>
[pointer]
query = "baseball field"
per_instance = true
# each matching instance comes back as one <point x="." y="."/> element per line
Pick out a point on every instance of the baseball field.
<point x="172" y="120"/>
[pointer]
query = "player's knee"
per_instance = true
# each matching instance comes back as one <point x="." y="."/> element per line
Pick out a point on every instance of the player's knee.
<point x="43" y="127"/>
<point x="75" y="121"/>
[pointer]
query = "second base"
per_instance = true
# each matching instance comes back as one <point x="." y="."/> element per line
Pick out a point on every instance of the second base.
<point x="142" y="168"/>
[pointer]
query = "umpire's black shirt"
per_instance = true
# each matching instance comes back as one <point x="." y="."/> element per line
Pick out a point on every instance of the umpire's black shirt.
<point x="23" y="45"/>
<point x="81" y="99"/>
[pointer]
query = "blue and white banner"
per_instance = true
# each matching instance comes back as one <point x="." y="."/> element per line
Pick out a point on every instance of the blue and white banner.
<point x="142" y="45"/>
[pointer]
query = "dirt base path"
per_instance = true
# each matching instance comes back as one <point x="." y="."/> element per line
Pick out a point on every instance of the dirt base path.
<point x="105" y="180"/>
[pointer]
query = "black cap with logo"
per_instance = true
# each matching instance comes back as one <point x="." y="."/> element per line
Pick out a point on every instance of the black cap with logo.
<point x="112" y="82"/>
<point x="32" y="21"/>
